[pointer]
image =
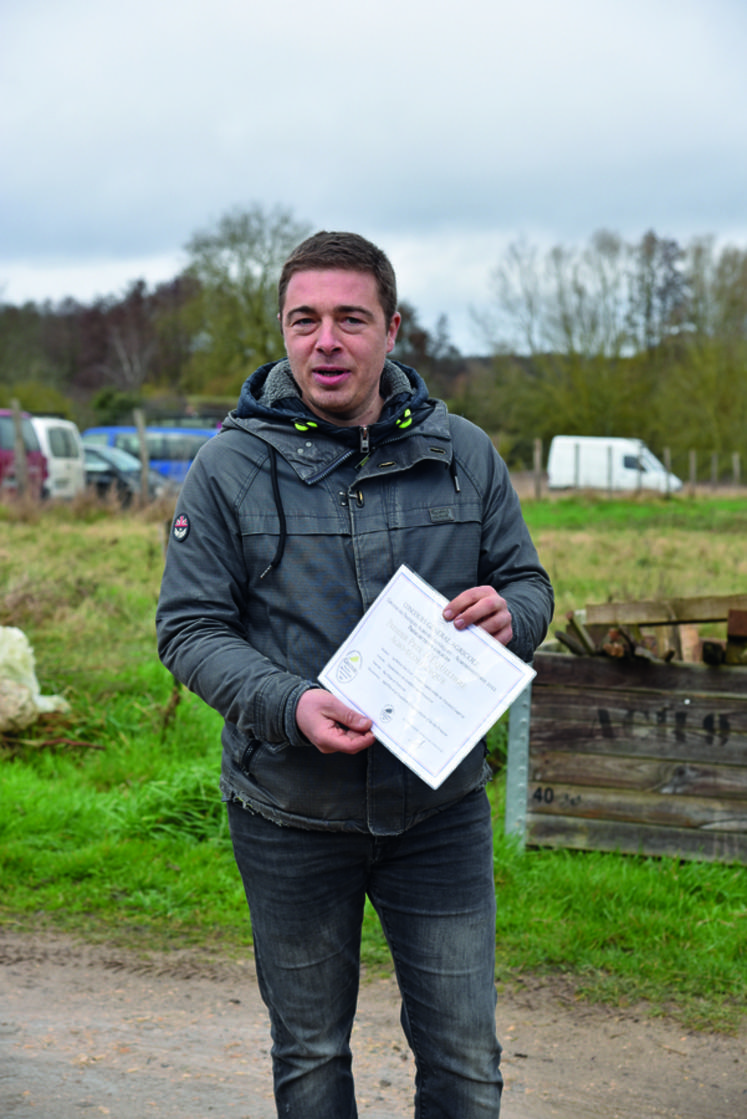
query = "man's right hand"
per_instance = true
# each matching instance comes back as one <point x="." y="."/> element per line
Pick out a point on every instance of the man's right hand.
<point x="330" y="725"/>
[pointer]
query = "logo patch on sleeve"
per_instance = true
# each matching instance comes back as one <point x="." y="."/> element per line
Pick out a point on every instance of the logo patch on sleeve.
<point x="181" y="527"/>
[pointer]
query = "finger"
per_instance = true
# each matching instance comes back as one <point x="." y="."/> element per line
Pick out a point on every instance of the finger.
<point x="462" y="602"/>
<point x="345" y="742"/>
<point x="476" y="609"/>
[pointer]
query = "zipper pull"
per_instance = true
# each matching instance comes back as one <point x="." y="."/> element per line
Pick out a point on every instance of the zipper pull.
<point x="365" y="440"/>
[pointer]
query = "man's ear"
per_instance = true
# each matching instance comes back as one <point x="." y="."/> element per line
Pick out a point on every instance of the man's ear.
<point x="391" y="336"/>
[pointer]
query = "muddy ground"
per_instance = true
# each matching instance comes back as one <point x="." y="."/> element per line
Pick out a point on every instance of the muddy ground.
<point x="92" y="1030"/>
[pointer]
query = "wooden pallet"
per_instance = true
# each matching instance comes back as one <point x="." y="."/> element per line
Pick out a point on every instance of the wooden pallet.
<point x="636" y="756"/>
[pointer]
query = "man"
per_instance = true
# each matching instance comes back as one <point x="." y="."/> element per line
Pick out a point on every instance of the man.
<point x="334" y="469"/>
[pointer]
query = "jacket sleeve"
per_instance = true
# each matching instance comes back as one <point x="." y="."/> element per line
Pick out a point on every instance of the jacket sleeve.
<point x="200" y="618"/>
<point x="509" y="561"/>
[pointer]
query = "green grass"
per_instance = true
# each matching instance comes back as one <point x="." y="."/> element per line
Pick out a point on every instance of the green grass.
<point x="600" y="549"/>
<point x="111" y="825"/>
<point x="627" y="928"/>
<point x="585" y="511"/>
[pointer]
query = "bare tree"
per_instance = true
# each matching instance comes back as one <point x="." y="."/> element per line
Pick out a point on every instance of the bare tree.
<point x="233" y="315"/>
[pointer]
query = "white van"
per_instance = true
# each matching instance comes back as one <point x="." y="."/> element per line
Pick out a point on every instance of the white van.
<point x="606" y="463"/>
<point x="62" y="447"/>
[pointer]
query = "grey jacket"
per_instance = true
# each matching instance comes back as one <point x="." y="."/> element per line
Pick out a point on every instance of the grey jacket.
<point x="286" y="530"/>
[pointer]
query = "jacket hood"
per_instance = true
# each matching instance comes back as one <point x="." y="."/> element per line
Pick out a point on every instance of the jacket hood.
<point x="271" y="394"/>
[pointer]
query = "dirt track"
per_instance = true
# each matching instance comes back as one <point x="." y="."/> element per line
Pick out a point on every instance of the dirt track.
<point x="93" y="1031"/>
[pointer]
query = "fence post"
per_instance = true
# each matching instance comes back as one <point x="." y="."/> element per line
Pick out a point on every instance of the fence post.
<point x="714" y="469"/>
<point x="139" y="417"/>
<point x="668" y="468"/>
<point x="693" y="470"/>
<point x="538" y="468"/>
<point x="736" y="468"/>
<point x="21" y="463"/>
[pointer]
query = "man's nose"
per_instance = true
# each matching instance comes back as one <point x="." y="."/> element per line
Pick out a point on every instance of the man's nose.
<point x="327" y="338"/>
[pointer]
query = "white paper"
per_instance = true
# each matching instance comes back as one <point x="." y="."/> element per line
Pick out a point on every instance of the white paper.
<point x="432" y="691"/>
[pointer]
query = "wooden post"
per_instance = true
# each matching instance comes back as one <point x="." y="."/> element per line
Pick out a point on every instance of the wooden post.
<point x="668" y="468"/>
<point x="714" y="470"/>
<point x="139" y="417"/>
<point x="693" y="471"/>
<point x="736" y="468"/>
<point x="21" y="461"/>
<point x="538" y="469"/>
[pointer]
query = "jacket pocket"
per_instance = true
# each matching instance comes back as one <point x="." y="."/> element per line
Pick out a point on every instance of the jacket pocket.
<point x="248" y="756"/>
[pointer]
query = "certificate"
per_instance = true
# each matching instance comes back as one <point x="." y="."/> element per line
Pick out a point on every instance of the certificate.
<point x="431" y="691"/>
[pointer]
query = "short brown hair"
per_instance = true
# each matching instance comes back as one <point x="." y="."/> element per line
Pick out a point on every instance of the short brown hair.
<point x="342" y="250"/>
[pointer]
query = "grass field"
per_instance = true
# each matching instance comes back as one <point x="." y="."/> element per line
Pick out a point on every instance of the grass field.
<point x="110" y="822"/>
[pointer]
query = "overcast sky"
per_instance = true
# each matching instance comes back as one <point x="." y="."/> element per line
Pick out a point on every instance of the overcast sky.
<point x="443" y="131"/>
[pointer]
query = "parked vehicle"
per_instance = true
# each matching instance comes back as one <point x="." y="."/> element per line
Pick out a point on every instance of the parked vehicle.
<point x="35" y="460"/>
<point x="170" y="449"/>
<point x="111" y="469"/>
<point x="606" y="462"/>
<point x="61" y="445"/>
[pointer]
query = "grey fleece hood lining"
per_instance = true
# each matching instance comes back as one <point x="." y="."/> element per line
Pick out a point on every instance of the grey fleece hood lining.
<point x="280" y="383"/>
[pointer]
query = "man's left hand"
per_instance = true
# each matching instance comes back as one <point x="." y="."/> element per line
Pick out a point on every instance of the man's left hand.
<point x="484" y="607"/>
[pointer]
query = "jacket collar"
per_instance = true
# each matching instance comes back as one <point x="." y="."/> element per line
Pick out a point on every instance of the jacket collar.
<point x="271" y="394"/>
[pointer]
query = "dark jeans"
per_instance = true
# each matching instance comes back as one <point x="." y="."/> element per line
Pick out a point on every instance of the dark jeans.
<point x="433" y="889"/>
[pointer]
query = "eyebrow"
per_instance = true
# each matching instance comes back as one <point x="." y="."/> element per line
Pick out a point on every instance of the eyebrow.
<point x="342" y="309"/>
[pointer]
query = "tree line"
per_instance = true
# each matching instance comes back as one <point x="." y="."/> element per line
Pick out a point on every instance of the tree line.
<point x="644" y="339"/>
<point x="647" y="339"/>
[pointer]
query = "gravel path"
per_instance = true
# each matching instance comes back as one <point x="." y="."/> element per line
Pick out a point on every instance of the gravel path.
<point x="87" y="1031"/>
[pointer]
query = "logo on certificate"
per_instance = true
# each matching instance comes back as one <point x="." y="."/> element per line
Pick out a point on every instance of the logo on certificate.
<point x="387" y="713"/>
<point x="349" y="667"/>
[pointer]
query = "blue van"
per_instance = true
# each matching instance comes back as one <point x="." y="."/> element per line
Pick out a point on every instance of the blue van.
<point x="170" y="449"/>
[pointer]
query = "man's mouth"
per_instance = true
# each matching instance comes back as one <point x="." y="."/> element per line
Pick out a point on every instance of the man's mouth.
<point x="329" y="374"/>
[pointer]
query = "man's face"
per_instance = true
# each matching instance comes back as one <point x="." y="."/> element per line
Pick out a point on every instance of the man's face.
<point x="337" y="338"/>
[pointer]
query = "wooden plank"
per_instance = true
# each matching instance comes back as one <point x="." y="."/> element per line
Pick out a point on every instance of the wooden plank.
<point x="652" y="775"/>
<point x="547" y="737"/>
<point x="561" y="669"/>
<point x="632" y="839"/>
<point x="736" y="624"/>
<point x="706" y="608"/>
<point x="710" y="730"/>
<point x="637" y="807"/>
<point x="639" y="711"/>
<point x="638" y="756"/>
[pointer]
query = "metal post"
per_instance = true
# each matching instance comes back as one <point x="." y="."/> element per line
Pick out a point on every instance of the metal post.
<point x="517" y="766"/>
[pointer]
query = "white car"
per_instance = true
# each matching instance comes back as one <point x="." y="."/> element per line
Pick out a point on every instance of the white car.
<point x="62" y="447"/>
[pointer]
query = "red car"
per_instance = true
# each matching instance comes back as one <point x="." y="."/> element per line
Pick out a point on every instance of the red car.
<point x="37" y="464"/>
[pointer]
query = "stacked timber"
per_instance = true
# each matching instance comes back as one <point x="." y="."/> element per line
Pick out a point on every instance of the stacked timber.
<point x="665" y="630"/>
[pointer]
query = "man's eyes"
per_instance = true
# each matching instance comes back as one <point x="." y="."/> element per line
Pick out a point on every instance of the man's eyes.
<point x="306" y="322"/>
